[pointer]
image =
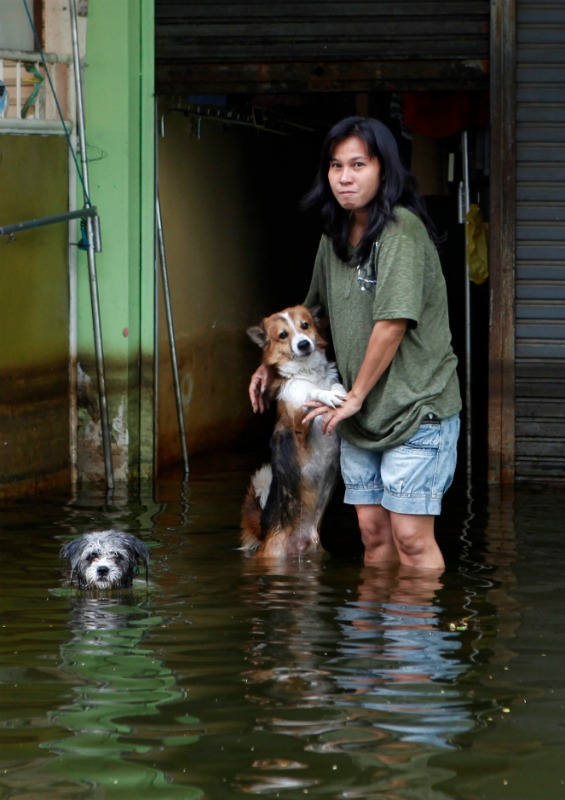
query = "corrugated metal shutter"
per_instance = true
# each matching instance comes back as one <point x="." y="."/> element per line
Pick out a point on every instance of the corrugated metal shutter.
<point x="222" y="46"/>
<point x="540" y="237"/>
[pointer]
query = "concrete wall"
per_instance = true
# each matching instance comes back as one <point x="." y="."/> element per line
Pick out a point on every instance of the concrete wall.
<point x="218" y="270"/>
<point x="34" y="317"/>
<point x="237" y="248"/>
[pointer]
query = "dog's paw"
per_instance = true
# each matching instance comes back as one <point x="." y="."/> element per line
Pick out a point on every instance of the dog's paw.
<point x="333" y="397"/>
<point x="340" y="391"/>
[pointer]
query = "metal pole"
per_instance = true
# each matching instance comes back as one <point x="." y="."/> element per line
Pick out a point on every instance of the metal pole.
<point x="7" y="230"/>
<point x="92" y="234"/>
<point x="171" y="330"/>
<point x="27" y="56"/>
<point x="465" y="203"/>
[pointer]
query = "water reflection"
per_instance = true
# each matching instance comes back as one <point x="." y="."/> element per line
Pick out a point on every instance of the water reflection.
<point x="366" y="673"/>
<point x="117" y="682"/>
<point x="393" y="633"/>
<point x="517" y="747"/>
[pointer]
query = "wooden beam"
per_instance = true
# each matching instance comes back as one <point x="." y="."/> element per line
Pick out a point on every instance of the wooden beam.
<point x="342" y="76"/>
<point x="502" y="413"/>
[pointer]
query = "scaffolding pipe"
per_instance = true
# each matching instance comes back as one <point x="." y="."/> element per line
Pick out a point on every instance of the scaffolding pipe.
<point x="171" y="330"/>
<point x="33" y="58"/>
<point x="9" y="230"/>
<point x="93" y="236"/>
<point x="465" y="205"/>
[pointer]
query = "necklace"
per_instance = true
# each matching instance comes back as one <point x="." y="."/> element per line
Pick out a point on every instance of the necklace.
<point x="367" y="271"/>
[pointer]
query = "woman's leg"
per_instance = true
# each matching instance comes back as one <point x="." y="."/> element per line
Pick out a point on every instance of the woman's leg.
<point x="410" y="481"/>
<point x="415" y="541"/>
<point x="376" y="534"/>
<point x="391" y="538"/>
<point x="415" y="476"/>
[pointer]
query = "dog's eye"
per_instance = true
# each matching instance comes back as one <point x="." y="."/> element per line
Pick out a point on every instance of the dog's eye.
<point x="117" y="557"/>
<point x="92" y="557"/>
<point x="304" y="326"/>
<point x="283" y="335"/>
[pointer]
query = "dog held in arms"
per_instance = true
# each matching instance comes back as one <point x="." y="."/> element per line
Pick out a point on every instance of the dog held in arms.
<point x="105" y="559"/>
<point x="286" y="499"/>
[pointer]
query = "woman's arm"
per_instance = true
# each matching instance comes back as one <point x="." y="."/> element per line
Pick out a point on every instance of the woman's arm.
<point x="383" y="343"/>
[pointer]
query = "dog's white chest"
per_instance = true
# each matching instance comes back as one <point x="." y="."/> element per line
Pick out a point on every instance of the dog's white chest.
<point x="305" y="384"/>
<point x="296" y="391"/>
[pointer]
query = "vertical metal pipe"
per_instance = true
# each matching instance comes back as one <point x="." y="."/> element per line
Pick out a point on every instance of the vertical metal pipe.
<point x="73" y="315"/>
<point x="171" y="330"/>
<point x="155" y="294"/>
<point x="465" y="208"/>
<point x="90" y="230"/>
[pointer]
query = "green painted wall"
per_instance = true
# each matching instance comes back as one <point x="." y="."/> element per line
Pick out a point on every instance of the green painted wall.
<point x="34" y="317"/>
<point x="119" y="111"/>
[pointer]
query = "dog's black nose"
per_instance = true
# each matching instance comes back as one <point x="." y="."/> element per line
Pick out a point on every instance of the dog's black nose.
<point x="102" y="571"/>
<point x="304" y="345"/>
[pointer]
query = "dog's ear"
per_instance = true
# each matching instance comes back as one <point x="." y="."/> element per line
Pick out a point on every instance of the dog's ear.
<point x="321" y="322"/>
<point x="71" y="551"/>
<point x="317" y="313"/>
<point x="258" y="334"/>
<point x="136" y="546"/>
<point x="140" y="549"/>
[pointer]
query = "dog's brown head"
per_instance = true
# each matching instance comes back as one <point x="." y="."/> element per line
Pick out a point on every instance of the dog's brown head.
<point x="290" y="334"/>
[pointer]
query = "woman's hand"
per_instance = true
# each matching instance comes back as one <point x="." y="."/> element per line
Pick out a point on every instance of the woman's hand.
<point x="332" y="416"/>
<point x="259" y="388"/>
<point x="383" y="343"/>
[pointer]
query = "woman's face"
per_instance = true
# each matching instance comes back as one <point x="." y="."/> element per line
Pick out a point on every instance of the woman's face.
<point x="354" y="175"/>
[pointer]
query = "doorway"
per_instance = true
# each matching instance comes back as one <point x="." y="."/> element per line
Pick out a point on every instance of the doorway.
<point x="232" y="170"/>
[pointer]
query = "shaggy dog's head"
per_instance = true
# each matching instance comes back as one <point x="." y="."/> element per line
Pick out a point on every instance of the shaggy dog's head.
<point x="105" y="559"/>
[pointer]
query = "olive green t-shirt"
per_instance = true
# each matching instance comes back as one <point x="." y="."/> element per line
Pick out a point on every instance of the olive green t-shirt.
<point x="401" y="280"/>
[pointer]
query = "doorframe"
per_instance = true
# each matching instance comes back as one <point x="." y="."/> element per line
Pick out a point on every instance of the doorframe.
<point x="501" y="405"/>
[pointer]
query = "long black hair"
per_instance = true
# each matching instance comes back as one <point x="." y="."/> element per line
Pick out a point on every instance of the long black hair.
<point x="397" y="188"/>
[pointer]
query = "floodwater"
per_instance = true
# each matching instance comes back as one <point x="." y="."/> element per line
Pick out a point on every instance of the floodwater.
<point x="227" y="678"/>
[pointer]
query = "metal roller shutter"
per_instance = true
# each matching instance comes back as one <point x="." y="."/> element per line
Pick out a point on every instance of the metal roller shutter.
<point x="227" y="47"/>
<point x="540" y="240"/>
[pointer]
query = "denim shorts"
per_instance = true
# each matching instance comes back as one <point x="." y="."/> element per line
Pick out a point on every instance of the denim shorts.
<point x="408" y="479"/>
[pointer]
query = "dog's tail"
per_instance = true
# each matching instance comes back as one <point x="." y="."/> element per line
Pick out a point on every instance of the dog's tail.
<point x="253" y="504"/>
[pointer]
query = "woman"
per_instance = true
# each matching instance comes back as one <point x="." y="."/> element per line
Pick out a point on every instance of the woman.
<point x="377" y="275"/>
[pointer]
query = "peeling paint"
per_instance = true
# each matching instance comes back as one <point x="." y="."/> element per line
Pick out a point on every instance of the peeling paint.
<point x="187" y="387"/>
<point x="90" y="455"/>
<point x="119" y="428"/>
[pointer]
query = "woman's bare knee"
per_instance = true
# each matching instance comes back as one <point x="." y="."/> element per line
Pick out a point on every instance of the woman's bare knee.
<point x="376" y="534"/>
<point x="415" y="540"/>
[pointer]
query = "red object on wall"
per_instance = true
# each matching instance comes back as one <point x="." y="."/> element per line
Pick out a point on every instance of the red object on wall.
<point x="440" y="114"/>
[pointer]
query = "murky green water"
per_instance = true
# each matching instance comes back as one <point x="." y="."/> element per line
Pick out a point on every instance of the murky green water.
<point x="323" y="679"/>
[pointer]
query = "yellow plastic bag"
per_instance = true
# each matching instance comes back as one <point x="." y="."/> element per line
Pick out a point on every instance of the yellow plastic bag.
<point x="476" y="230"/>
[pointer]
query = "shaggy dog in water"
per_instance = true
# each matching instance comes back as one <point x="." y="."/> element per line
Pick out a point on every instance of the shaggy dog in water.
<point x="105" y="559"/>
